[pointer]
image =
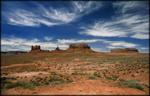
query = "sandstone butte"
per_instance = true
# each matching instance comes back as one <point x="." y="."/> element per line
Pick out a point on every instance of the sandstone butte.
<point x="81" y="47"/>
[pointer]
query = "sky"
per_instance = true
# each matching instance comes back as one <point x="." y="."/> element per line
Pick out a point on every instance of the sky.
<point x="103" y="25"/>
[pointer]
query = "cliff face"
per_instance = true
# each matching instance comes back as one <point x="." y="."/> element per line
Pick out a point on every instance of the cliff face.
<point x="125" y="50"/>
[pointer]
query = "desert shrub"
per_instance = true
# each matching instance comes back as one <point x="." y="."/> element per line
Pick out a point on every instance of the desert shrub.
<point x="95" y="75"/>
<point x="132" y="84"/>
<point x="112" y="78"/>
<point x="92" y="77"/>
<point x="26" y="85"/>
<point x="59" y="79"/>
<point x="7" y="84"/>
<point x="77" y="72"/>
<point x="4" y="82"/>
<point x="56" y="79"/>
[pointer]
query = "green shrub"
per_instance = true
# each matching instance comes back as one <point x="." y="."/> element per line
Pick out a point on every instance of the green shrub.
<point x="26" y="85"/>
<point x="132" y="84"/>
<point x="95" y="75"/>
<point x="92" y="77"/>
<point x="58" y="79"/>
<point x="112" y="78"/>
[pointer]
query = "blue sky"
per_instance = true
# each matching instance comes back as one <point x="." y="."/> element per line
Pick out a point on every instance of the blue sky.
<point x="103" y="25"/>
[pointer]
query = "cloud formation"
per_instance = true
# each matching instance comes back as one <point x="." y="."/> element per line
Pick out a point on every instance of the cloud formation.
<point x="128" y="24"/>
<point x="50" y="16"/>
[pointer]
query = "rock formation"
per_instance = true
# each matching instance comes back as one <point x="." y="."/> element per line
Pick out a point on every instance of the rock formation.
<point x="57" y="50"/>
<point x="125" y="50"/>
<point x="37" y="49"/>
<point x="79" y="47"/>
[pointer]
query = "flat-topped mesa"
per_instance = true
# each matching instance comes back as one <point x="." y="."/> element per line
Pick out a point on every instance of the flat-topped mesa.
<point x="79" y="47"/>
<point x="124" y="50"/>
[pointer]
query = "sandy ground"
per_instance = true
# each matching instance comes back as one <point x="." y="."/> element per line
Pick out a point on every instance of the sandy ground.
<point x="91" y="87"/>
<point x="80" y="85"/>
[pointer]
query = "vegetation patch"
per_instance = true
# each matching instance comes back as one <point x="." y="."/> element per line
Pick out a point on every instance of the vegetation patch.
<point x="112" y="78"/>
<point x="27" y="85"/>
<point x="60" y="78"/>
<point x="132" y="84"/>
<point x="95" y="75"/>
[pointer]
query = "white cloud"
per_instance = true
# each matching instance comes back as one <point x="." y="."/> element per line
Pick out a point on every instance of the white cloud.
<point x="140" y="36"/>
<point x="127" y="23"/>
<point x="22" y="18"/>
<point x="15" y="43"/>
<point x="50" y="16"/>
<point x="48" y="38"/>
<point x="127" y="6"/>
<point x="104" y="29"/>
<point x="122" y="44"/>
<point x="134" y="26"/>
<point x="69" y="41"/>
<point x="99" y="49"/>
<point x="86" y="7"/>
<point x="144" y="49"/>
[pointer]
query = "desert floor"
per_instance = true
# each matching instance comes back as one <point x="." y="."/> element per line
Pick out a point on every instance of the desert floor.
<point x="75" y="73"/>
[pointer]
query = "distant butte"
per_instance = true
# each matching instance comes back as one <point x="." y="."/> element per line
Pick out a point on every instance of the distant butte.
<point x="124" y="50"/>
<point x="37" y="49"/>
<point x="81" y="47"/>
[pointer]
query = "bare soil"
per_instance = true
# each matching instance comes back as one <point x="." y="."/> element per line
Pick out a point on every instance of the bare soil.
<point x="77" y="74"/>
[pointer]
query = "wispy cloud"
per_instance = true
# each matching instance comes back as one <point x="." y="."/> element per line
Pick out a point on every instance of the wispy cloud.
<point x="22" y="18"/>
<point x="120" y="44"/>
<point x="103" y="29"/>
<point x="69" y="41"/>
<point x="50" y="16"/>
<point x="128" y="24"/>
<point x="128" y="6"/>
<point x="140" y="36"/>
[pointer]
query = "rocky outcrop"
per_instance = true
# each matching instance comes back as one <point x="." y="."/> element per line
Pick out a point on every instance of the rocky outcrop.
<point x="37" y="49"/>
<point x="79" y="47"/>
<point x="125" y="50"/>
<point x="57" y="50"/>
